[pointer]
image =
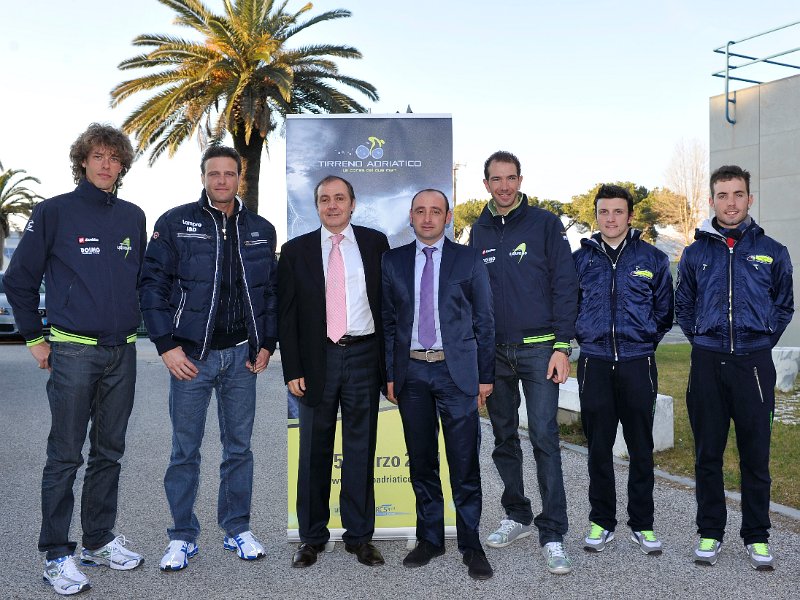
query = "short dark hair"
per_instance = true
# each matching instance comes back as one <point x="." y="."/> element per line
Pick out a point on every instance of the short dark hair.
<point x="613" y="191"/>
<point x="110" y="137"/>
<point x="728" y="172"/>
<point x="330" y="178"/>
<point x="501" y="156"/>
<point x="446" y="201"/>
<point x="217" y="150"/>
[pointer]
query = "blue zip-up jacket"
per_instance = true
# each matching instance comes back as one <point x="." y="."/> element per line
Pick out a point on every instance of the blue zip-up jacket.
<point x="181" y="277"/>
<point x="625" y="307"/>
<point x="735" y="300"/>
<point x="88" y="244"/>
<point x="534" y="286"/>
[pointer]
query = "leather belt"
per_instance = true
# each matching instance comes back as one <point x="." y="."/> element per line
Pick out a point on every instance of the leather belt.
<point x="349" y="340"/>
<point x="430" y="356"/>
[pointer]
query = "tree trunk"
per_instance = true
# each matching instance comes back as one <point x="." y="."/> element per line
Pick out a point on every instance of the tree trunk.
<point x="251" y="166"/>
<point x="2" y="249"/>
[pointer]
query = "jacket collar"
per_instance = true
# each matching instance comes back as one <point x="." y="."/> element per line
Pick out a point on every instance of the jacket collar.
<point x="89" y="190"/>
<point x="204" y="202"/>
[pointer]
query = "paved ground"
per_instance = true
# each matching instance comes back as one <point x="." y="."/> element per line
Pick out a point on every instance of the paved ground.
<point x="620" y="571"/>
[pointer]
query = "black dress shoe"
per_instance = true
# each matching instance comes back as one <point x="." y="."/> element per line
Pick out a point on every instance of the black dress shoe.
<point x="422" y="554"/>
<point x="366" y="553"/>
<point x="479" y="567"/>
<point x="306" y="555"/>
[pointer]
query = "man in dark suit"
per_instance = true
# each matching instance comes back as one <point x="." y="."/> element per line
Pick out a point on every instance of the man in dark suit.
<point x="438" y="326"/>
<point x="329" y="328"/>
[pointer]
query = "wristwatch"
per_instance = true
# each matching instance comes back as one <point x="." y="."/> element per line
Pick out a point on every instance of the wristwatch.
<point x="567" y="350"/>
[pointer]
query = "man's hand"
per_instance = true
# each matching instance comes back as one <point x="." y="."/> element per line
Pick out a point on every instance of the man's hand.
<point x="390" y="392"/>
<point x="558" y="369"/>
<point x="262" y="360"/>
<point x="484" y="391"/>
<point x="297" y="386"/>
<point x="179" y="364"/>
<point x="41" y="352"/>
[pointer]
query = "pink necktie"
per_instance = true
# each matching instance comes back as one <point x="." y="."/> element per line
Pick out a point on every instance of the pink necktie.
<point x="335" y="299"/>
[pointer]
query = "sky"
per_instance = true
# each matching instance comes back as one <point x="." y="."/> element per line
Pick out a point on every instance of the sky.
<point x="582" y="91"/>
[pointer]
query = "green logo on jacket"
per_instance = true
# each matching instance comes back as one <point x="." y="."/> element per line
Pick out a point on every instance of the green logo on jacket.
<point x="519" y="251"/>
<point x="125" y="246"/>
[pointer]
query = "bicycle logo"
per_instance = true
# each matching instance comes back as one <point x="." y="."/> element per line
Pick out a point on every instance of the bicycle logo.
<point x="375" y="149"/>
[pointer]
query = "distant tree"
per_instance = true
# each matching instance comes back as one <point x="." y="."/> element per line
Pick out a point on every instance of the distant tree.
<point x="685" y="202"/>
<point x="239" y="78"/>
<point x="582" y="214"/>
<point x="465" y="214"/>
<point x="15" y="199"/>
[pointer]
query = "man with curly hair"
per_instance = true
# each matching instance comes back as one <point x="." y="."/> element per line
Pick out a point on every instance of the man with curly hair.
<point x="88" y="245"/>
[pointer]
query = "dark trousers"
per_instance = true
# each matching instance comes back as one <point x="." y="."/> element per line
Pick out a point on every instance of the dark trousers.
<point x="429" y="394"/>
<point x="352" y="383"/>
<point x="87" y="384"/>
<point x="612" y="393"/>
<point x="527" y="364"/>
<point x="724" y="387"/>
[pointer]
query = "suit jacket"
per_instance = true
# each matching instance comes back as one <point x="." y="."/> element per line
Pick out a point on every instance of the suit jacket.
<point x="466" y="316"/>
<point x="302" y="327"/>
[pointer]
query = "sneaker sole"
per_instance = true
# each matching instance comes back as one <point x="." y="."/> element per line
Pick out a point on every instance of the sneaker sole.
<point x="561" y="571"/>
<point x="762" y="567"/>
<point x="524" y="534"/>
<point x="88" y="586"/>
<point x="645" y="549"/>
<point x="90" y="562"/>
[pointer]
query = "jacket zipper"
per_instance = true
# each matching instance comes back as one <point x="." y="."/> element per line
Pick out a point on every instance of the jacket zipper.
<point x="585" y="368"/>
<point x="730" y="294"/>
<point x="244" y="284"/>
<point x="758" y="383"/>
<point x="214" y="293"/>
<point x="179" y="312"/>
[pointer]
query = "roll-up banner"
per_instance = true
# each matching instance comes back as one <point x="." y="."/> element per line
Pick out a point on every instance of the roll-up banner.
<point x="387" y="159"/>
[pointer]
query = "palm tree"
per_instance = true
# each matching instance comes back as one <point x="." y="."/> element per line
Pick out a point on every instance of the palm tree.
<point x="15" y="199"/>
<point x="240" y="78"/>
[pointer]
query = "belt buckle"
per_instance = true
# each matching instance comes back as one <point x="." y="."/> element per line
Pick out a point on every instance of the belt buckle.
<point x="427" y="353"/>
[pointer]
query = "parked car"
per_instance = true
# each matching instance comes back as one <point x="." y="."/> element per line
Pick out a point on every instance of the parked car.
<point x="8" y="328"/>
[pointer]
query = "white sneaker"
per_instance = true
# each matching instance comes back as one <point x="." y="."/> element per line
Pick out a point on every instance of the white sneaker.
<point x="508" y="531"/>
<point x="246" y="546"/>
<point x="64" y="575"/>
<point x="177" y="555"/>
<point x="556" y="558"/>
<point x="114" y="554"/>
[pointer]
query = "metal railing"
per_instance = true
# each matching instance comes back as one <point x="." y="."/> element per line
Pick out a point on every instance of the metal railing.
<point x="750" y="60"/>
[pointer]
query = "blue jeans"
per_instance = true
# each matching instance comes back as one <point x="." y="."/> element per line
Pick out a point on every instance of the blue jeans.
<point x="87" y="384"/>
<point x="225" y="372"/>
<point x="528" y="363"/>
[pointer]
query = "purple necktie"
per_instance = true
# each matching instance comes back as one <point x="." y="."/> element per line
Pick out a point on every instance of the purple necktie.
<point x="427" y="327"/>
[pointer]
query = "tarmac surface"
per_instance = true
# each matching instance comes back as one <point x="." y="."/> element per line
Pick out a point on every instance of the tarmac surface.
<point x="621" y="571"/>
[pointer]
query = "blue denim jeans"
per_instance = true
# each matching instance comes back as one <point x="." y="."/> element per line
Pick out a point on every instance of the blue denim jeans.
<point x="223" y="371"/>
<point x="528" y="363"/>
<point x="87" y="384"/>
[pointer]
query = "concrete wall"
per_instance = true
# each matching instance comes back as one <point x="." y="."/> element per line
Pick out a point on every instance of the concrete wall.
<point x="766" y="141"/>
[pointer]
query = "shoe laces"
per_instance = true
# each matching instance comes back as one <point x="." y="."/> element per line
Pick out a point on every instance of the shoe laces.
<point x="760" y="549"/>
<point x="556" y="550"/>
<point x="118" y="541"/>
<point x="67" y="568"/>
<point x="649" y="535"/>
<point x="707" y="544"/>
<point x="596" y="531"/>
<point x="506" y="526"/>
